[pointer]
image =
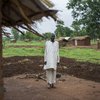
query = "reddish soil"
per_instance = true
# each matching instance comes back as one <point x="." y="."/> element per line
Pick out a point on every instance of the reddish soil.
<point x="71" y="89"/>
<point x="85" y="87"/>
<point x="20" y="65"/>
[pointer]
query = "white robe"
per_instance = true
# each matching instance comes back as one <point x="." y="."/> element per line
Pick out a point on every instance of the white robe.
<point x="51" y="55"/>
<point x="51" y="76"/>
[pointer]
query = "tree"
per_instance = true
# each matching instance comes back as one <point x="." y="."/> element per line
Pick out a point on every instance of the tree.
<point x="87" y="14"/>
<point x="22" y="37"/>
<point x="47" y="35"/>
<point x="61" y="30"/>
<point x="30" y="36"/>
<point x="78" y="30"/>
<point x="68" y="31"/>
<point x="15" y="33"/>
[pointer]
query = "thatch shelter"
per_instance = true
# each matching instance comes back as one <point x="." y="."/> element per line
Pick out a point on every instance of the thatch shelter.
<point x="80" y="41"/>
<point x="20" y="13"/>
<point x="63" y="41"/>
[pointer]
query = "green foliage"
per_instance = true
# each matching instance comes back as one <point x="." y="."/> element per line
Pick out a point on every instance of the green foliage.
<point x="62" y="31"/>
<point x="87" y="14"/>
<point x="47" y="35"/>
<point x="22" y="37"/>
<point x="29" y="36"/>
<point x="68" y="31"/>
<point x="78" y="29"/>
<point x="15" y="34"/>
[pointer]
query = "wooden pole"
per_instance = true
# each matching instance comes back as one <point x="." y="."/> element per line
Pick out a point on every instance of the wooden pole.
<point x="1" y="63"/>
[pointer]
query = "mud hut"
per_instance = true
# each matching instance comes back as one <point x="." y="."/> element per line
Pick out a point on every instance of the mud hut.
<point x="81" y="41"/>
<point x="20" y="13"/>
<point x="63" y="41"/>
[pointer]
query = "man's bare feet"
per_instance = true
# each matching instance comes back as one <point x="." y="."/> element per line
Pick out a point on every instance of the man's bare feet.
<point x="49" y="86"/>
<point x="53" y="86"/>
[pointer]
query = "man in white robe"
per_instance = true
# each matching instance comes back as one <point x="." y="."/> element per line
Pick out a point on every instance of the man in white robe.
<point x="51" y="60"/>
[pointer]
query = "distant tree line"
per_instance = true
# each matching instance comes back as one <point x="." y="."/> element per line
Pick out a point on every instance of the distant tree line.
<point x="60" y="31"/>
<point x="26" y="36"/>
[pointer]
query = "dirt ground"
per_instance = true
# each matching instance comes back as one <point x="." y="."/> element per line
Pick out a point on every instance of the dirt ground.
<point x="70" y="89"/>
<point x="79" y="81"/>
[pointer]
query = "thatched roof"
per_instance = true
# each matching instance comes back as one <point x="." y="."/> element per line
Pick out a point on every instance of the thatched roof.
<point x="80" y="37"/>
<point x="23" y="13"/>
<point x="64" y="38"/>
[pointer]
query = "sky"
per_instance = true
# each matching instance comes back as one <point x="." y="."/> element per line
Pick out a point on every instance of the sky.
<point x="49" y="25"/>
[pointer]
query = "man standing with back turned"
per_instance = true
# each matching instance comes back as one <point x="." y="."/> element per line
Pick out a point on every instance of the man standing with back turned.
<point x="51" y="60"/>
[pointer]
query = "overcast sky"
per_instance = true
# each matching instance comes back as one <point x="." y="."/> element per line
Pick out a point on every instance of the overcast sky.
<point x="64" y="14"/>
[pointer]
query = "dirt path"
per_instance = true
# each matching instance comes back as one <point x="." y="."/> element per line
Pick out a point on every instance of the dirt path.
<point x="70" y="89"/>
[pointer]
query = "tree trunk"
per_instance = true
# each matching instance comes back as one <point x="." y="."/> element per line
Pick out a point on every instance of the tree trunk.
<point x="1" y="63"/>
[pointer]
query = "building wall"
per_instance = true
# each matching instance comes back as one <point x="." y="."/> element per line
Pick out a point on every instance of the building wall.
<point x="76" y="42"/>
<point x="88" y="41"/>
<point x="82" y="42"/>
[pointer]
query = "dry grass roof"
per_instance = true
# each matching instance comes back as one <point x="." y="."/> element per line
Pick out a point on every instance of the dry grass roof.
<point x="23" y="13"/>
<point x="80" y="37"/>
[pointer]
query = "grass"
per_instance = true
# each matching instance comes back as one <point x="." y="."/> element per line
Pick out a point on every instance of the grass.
<point x="80" y="54"/>
<point x="19" y="43"/>
<point x="8" y="52"/>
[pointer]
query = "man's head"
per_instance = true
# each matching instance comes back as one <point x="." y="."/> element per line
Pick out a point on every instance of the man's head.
<point x="52" y="37"/>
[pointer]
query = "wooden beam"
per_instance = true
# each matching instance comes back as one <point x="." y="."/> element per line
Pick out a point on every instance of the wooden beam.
<point x="43" y="13"/>
<point x="48" y="3"/>
<point x="29" y="28"/>
<point x="33" y="31"/>
<point x="18" y="30"/>
<point x="15" y="11"/>
<point x="16" y="2"/>
<point x="1" y="58"/>
<point x="4" y="33"/>
<point x="29" y="5"/>
<point x="39" y="7"/>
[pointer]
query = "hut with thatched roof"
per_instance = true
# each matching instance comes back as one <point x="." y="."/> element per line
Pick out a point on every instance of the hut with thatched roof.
<point x="63" y="41"/>
<point x="20" y="13"/>
<point x="80" y="41"/>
